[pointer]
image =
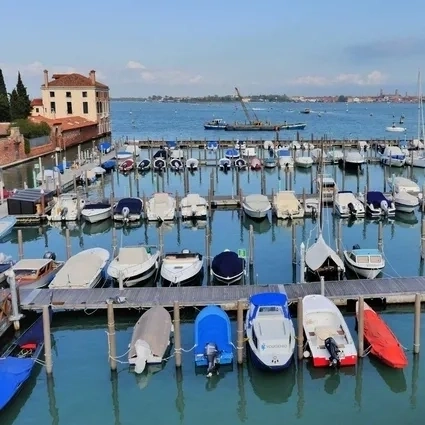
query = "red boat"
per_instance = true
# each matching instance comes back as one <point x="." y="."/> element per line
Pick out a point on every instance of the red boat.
<point x="383" y="343"/>
<point x="126" y="166"/>
<point x="255" y="164"/>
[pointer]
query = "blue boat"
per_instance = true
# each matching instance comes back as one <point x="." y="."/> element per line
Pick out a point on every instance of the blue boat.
<point x="215" y="124"/>
<point x="270" y="331"/>
<point x="109" y="165"/>
<point x="213" y="339"/>
<point x="161" y="153"/>
<point x="232" y="153"/>
<point x="377" y="204"/>
<point x="227" y="267"/>
<point x="17" y="363"/>
<point x="105" y="147"/>
<point x="212" y="146"/>
<point x="6" y="225"/>
<point x="63" y="166"/>
<point x="171" y="144"/>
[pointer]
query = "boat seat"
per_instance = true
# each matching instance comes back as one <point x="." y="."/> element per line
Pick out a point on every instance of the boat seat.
<point x="323" y="332"/>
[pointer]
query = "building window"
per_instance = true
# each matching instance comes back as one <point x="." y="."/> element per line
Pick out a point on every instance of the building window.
<point x="97" y="94"/>
<point x="68" y="94"/>
<point x="69" y="108"/>
<point x="85" y="107"/>
<point x="36" y="110"/>
<point x="52" y="94"/>
<point x="84" y="94"/>
<point x="53" y="107"/>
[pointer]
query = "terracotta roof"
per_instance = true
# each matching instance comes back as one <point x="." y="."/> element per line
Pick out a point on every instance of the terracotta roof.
<point x="73" y="80"/>
<point x="37" y="102"/>
<point x="4" y="128"/>
<point x="68" y="123"/>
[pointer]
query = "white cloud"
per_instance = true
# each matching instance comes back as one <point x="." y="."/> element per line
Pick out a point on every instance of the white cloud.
<point x="135" y="65"/>
<point x="371" y="79"/>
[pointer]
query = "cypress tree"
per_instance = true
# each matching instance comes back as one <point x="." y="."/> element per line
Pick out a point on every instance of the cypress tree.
<point x="15" y="109"/>
<point x="4" y="101"/>
<point x="22" y="103"/>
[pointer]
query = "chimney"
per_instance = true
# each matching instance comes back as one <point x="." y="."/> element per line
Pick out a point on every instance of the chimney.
<point x="93" y="76"/>
<point x="46" y="78"/>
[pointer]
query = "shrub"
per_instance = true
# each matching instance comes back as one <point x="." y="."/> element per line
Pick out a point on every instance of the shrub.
<point x="31" y="130"/>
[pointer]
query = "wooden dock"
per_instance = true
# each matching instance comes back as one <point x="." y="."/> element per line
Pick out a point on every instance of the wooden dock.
<point x="394" y="291"/>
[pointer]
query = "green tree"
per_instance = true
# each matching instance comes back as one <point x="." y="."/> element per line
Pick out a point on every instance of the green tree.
<point x="20" y="104"/>
<point x="342" y="98"/>
<point x="4" y="101"/>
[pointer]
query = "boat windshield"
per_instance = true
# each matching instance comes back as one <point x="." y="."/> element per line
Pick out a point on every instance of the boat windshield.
<point x="375" y="259"/>
<point x="268" y="310"/>
<point x="28" y="273"/>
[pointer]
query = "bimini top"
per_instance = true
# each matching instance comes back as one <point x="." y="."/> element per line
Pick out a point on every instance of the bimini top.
<point x="266" y="301"/>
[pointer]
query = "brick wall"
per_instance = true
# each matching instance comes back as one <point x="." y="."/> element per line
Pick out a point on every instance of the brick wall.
<point x="76" y="136"/>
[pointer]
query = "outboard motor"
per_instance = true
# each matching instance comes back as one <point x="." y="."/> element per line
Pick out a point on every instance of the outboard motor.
<point x="64" y="212"/>
<point x="334" y="352"/>
<point x="49" y="255"/>
<point x="211" y="353"/>
<point x="125" y="213"/>
<point x="384" y="206"/>
<point x="226" y="167"/>
<point x="351" y="208"/>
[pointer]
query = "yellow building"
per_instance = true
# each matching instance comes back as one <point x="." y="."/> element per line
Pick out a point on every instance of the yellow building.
<point x="74" y="95"/>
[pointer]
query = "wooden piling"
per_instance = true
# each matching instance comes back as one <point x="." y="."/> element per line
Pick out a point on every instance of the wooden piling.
<point x="300" y="329"/>
<point x="423" y="239"/>
<point x="20" y="245"/>
<point x="294" y="243"/>
<point x="207" y="248"/>
<point x="380" y="237"/>
<point x="177" y="335"/>
<point x="417" y="325"/>
<point x="240" y="333"/>
<point x="112" y="347"/>
<point x="68" y="244"/>
<point x="360" y="325"/>
<point x="114" y="241"/>
<point x="251" y="245"/>
<point x="47" y="340"/>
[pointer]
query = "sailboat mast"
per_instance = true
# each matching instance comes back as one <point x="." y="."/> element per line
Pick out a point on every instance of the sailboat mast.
<point x="321" y="188"/>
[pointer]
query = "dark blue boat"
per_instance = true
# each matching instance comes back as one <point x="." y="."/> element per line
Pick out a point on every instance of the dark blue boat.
<point x="109" y="165"/>
<point x="227" y="267"/>
<point x="160" y="153"/>
<point x="105" y="147"/>
<point x="128" y="209"/>
<point x="19" y="360"/>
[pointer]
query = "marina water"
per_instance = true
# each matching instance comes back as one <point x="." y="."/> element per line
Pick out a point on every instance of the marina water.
<point x="83" y="390"/>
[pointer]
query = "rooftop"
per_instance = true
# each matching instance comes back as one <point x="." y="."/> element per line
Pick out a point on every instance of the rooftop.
<point x="67" y="123"/>
<point x="75" y="80"/>
<point x="37" y="102"/>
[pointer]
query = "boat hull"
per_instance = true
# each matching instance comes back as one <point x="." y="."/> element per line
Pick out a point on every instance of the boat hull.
<point x="304" y="164"/>
<point x="232" y="280"/>
<point x="187" y="279"/>
<point x="399" y="206"/>
<point x="100" y="215"/>
<point x="257" y="363"/>
<point x="366" y="273"/>
<point x="214" y="127"/>
<point x="139" y="278"/>
<point x="257" y="214"/>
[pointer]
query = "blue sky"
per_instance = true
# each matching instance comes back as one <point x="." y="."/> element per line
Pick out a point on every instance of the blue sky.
<point x="195" y="47"/>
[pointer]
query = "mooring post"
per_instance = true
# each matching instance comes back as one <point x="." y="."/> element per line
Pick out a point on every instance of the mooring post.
<point x="251" y="245"/>
<point x="417" y="325"/>
<point x="300" y="329"/>
<point x="423" y="199"/>
<point x="112" y="347"/>
<point x="207" y="247"/>
<point x="304" y="200"/>
<point x="161" y="241"/>
<point x="380" y="237"/>
<point x="68" y="244"/>
<point x="423" y="239"/>
<point x="177" y="335"/>
<point x="294" y="242"/>
<point x="47" y="340"/>
<point x="302" y="263"/>
<point x="121" y="281"/>
<point x="339" y="241"/>
<point x="322" y="286"/>
<point x="20" y="245"/>
<point x="360" y="325"/>
<point x="114" y="241"/>
<point x="16" y="314"/>
<point x="240" y="332"/>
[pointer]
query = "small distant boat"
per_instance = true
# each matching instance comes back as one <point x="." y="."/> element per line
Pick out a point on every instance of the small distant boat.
<point x="6" y="225"/>
<point x="93" y="213"/>
<point x="176" y="164"/>
<point x="109" y="165"/>
<point x="270" y="163"/>
<point x="365" y="263"/>
<point x="126" y="166"/>
<point x="384" y="345"/>
<point x="328" y="337"/>
<point x="305" y="111"/>
<point x="67" y="207"/>
<point x="240" y="164"/>
<point x="286" y="205"/>
<point x="215" y="124"/>
<point x="224" y="164"/>
<point x="232" y="153"/>
<point x="159" y="164"/>
<point x="192" y="164"/>
<point x="377" y="204"/>
<point x="212" y="146"/>
<point x="227" y="267"/>
<point x="134" y="265"/>
<point x="304" y="161"/>
<point x="38" y="272"/>
<point x="124" y="155"/>
<point x="151" y="338"/>
<point x="82" y="270"/>
<point x="347" y="205"/>
<point x="161" y="207"/>
<point x="17" y="363"/>
<point x="295" y="126"/>
<point x="128" y="209"/>
<point x="105" y="147"/>
<point x="395" y="129"/>
<point x="213" y="339"/>
<point x="256" y="206"/>
<point x="98" y="171"/>
<point x="335" y="156"/>
<point x="255" y="164"/>
<point x="270" y="331"/>
<point x="193" y="206"/>
<point x="144" y="165"/>
<point x="181" y="268"/>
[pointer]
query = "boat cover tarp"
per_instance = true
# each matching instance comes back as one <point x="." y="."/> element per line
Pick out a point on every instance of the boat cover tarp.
<point x="144" y="163"/>
<point x="104" y="147"/>
<point x="212" y="324"/>
<point x="375" y="198"/>
<point x="107" y="165"/>
<point x="14" y="372"/>
<point x="4" y="267"/>
<point x="96" y="206"/>
<point x="232" y="152"/>
<point x="317" y="254"/>
<point x="135" y="205"/>
<point x="161" y="153"/>
<point x="212" y="144"/>
<point x="257" y="202"/>
<point x="227" y="264"/>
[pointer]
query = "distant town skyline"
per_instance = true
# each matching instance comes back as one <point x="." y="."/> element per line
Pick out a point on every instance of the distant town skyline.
<point x="185" y="48"/>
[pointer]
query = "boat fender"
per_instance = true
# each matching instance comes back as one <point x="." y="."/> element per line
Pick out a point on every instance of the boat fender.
<point x="211" y="353"/>
<point x="142" y="353"/>
<point x="384" y="205"/>
<point x="334" y="352"/>
<point x="125" y="212"/>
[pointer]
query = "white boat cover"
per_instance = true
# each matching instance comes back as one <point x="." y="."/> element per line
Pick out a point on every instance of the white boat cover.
<point x="354" y="157"/>
<point x="286" y="200"/>
<point x="407" y="199"/>
<point x="402" y="184"/>
<point x="319" y="252"/>
<point x="257" y="202"/>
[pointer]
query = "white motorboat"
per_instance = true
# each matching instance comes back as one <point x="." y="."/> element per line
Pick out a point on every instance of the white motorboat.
<point x="335" y="156"/>
<point x="177" y="154"/>
<point x="402" y="184"/>
<point x="270" y="331"/>
<point x="192" y="164"/>
<point x="352" y="160"/>
<point x="322" y="260"/>
<point x="133" y="265"/>
<point x="395" y="129"/>
<point x="328" y="187"/>
<point x="285" y="158"/>
<point x="83" y="270"/>
<point x="287" y="206"/>
<point x="193" y="206"/>
<point x="378" y="205"/>
<point x="295" y="145"/>
<point x="393" y="156"/>
<point x="416" y="159"/>
<point x="328" y="337"/>
<point x="93" y="213"/>
<point x="307" y="146"/>
<point x="364" y="263"/>
<point x="316" y="155"/>
<point x="181" y="268"/>
<point x="347" y="205"/>
<point x="405" y="202"/>
<point x="67" y="207"/>
<point x="304" y="161"/>
<point x="128" y="209"/>
<point x="256" y="205"/>
<point x="224" y="164"/>
<point x="151" y="338"/>
<point x="161" y="207"/>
